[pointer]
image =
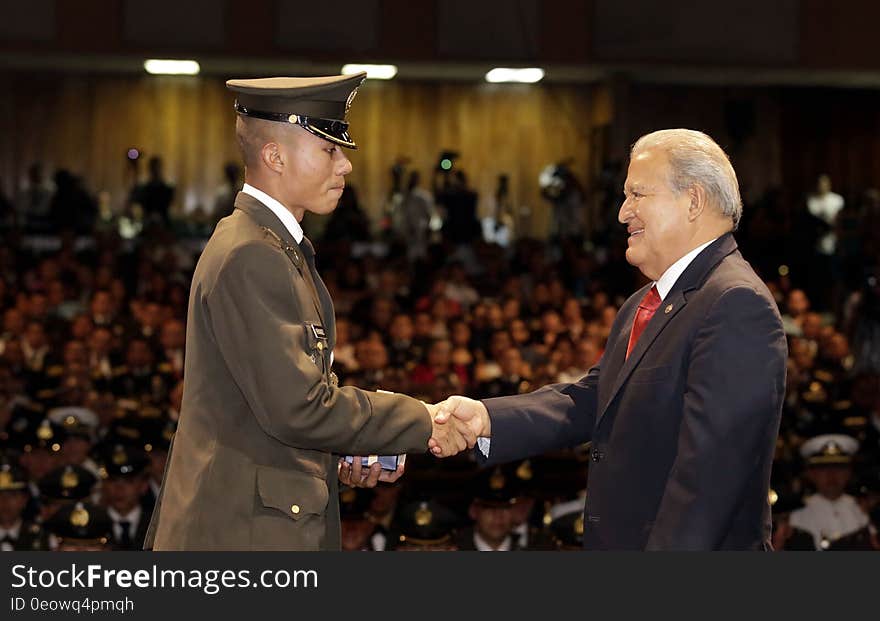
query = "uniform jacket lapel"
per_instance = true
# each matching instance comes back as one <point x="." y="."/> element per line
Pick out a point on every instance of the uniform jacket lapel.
<point x="263" y="216"/>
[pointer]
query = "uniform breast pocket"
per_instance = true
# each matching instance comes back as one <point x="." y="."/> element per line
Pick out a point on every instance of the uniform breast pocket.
<point x="644" y="375"/>
<point x="295" y="494"/>
<point x="290" y="511"/>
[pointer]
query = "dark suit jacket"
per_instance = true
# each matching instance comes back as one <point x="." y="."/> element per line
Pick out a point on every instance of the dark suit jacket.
<point x="683" y="431"/>
<point x="253" y="465"/>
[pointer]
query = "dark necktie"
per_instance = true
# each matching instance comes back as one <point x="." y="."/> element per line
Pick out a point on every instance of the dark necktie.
<point x="125" y="540"/>
<point x="647" y="307"/>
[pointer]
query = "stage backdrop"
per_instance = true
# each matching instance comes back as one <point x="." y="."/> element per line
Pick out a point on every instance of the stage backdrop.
<point x="87" y="124"/>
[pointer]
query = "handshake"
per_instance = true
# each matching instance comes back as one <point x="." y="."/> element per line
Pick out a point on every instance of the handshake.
<point x="456" y="423"/>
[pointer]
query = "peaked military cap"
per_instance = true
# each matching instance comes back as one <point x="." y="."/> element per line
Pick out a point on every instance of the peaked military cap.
<point x="829" y="449"/>
<point x="76" y="421"/>
<point x="119" y="460"/>
<point x="424" y="523"/>
<point x="495" y="488"/>
<point x="318" y="105"/>
<point x="45" y="435"/>
<point x="12" y="478"/>
<point x="67" y="483"/>
<point x="82" y="522"/>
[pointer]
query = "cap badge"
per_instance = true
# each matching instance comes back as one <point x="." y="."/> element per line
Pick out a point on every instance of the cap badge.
<point x="424" y="515"/>
<point x="69" y="479"/>
<point x="79" y="517"/>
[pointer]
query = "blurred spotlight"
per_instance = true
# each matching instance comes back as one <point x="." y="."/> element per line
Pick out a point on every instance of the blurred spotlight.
<point x="783" y="270"/>
<point x="374" y="72"/>
<point x="171" y="67"/>
<point x="446" y="163"/>
<point x="528" y="75"/>
<point x="133" y="154"/>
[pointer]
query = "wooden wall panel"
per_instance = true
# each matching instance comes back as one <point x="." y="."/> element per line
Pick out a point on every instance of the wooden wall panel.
<point x="86" y="124"/>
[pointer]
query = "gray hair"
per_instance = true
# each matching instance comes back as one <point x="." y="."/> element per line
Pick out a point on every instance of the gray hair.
<point x="697" y="159"/>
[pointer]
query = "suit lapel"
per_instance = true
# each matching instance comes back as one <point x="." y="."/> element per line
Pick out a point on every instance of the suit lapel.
<point x="620" y="367"/>
<point x="674" y="302"/>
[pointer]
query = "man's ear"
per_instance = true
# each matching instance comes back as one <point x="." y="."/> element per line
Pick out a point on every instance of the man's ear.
<point x="698" y="199"/>
<point x="271" y="156"/>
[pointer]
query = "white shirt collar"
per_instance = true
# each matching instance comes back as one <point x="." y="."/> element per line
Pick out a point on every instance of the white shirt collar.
<point x="667" y="280"/>
<point x="278" y="209"/>
<point x="483" y="546"/>
<point x="133" y="517"/>
<point x="13" y="531"/>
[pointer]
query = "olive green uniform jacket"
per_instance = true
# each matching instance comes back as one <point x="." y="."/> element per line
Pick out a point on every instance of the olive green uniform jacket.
<point x="253" y="465"/>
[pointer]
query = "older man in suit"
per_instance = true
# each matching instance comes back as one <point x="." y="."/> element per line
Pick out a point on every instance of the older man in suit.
<point x="683" y="409"/>
<point x="254" y="461"/>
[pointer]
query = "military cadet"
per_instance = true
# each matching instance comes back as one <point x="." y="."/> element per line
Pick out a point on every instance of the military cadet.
<point x="830" y="513"/>
<point x="16" y="533"/>
<point x="122" y="490"/>
<point x="82" y="527"/>
<point x="424" y="526"/>
<point x="80" y="427"/>
<point x="41" y="447"/>
<point x="140" y="379"/>
<point x="263" y="421"/>
<point x="530" y="514"/>
<point x="492" y="513"/>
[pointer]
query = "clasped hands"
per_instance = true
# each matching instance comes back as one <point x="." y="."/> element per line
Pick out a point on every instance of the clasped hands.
<point x="456" y="423"/>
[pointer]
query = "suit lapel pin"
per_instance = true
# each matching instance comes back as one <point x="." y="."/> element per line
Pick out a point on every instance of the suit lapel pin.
<point x="668" y="309"/>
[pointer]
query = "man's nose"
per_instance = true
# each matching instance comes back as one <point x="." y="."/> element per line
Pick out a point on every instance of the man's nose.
<point x="344" y="164"/>
<point x="625" y="214"/>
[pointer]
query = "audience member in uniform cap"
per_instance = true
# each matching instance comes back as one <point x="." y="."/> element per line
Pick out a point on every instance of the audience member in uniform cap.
<point x="80" y="425"/>
<point x="122" y="492"/>
<point x="16" y="533"/>
<point x="41" y="446"/>
<point x="82" y="527"/>
<point x="357" y="527"/>
<point x="529" y="527"/>
<point x="492" y="512"/>
<point x="830" y="513"/>
<point x="424" y="525"/>
<point x="62" y="486"/>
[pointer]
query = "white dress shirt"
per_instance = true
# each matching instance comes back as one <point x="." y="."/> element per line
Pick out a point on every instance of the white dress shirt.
<point x="829" y="519"/>
<point x="278" y="209"/>
<point x="483" y="546"/>
<point x="133" y="518"/>
<point x="664" y="285"/>
<point x="13" y="533"/>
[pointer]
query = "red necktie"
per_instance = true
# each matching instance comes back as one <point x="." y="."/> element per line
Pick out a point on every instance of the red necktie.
<point x="649" y="304"/>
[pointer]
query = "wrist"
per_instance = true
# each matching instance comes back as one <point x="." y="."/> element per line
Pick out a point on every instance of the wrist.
<point x="485" y="420"/>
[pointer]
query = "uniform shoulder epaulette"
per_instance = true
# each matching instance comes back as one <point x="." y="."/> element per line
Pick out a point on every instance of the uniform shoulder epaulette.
<point x="164" y="367"/>
<point x="55" y="370"/>
<point x="121" y="370"/>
